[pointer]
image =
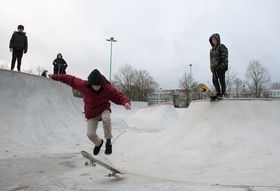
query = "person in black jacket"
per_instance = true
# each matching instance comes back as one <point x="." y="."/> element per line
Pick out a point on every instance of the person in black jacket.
<point x="18" y="46"/>
<point x="59" y="64"/>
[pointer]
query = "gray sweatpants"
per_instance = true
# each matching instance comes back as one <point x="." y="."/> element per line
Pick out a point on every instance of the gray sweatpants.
<point x="92" y="127"/>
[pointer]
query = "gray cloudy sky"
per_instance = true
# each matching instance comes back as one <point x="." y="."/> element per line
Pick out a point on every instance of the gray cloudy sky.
<point x="160" y="36"/>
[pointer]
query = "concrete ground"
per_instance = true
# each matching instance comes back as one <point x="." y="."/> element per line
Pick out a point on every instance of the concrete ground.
<point x="230" y="145"/>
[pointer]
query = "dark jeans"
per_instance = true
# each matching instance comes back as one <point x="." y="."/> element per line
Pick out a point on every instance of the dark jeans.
<point x="219" y="81"/>
<point x="59" y="69"/>
<point x="17" y="55"/>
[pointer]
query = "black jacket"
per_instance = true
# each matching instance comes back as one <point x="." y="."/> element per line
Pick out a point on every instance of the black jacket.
<point x="19" y="41"/>
<point x="59" y="61"/>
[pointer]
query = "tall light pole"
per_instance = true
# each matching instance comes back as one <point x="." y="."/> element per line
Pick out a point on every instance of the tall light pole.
<point x="190" y="84"/>
<point x="111" y="40"/>
<point x="190" y="81"/>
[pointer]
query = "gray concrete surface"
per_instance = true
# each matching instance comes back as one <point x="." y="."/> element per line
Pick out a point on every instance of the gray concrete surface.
<point x="229" y="145"/>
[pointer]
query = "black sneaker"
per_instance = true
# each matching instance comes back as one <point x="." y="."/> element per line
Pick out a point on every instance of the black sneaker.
<point x="220" y="97"/>
<point x="97" y="148"/>
<point x="108" y="149"/>
<point x="213" y="98"/>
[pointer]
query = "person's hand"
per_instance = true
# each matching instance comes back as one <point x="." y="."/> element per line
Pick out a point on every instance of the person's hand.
<point x="127" y="106"/>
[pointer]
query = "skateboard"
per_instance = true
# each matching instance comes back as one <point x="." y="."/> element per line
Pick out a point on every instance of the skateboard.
<point x="93" y="161"/>
<point x="204" y="89"/>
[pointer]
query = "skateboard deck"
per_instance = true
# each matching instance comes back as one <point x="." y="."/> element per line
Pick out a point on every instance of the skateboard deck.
<point x="206" y="90"/>
<point x="93" y="161"/>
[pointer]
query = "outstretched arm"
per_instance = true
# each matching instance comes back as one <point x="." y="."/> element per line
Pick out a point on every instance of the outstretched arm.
<point x="72" y="81"/>
<point x="119" y="98"/>
<point x="127" y="106"/>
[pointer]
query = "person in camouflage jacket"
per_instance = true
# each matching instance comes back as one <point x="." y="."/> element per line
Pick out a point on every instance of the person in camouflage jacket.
<point x="218" y="64"/>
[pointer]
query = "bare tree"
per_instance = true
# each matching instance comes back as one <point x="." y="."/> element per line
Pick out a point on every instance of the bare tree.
<point x="230" y="77"/>
<point x="124" y="79"/>
<point x="4" y="66"/>
<point x="275" y="85"/>
<point x="29" y="71"/>
<point x="190" y="85"/>
<point x="135" y="84"/>
<point x="186" y="81"/>
<point x="144" y="84"/>
<point x="40" y="70"/>
<point x="257" y="78"/>
<point x="238" y="86"/>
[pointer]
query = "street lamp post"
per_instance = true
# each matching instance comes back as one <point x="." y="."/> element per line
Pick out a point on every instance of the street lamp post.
<point x="190" y="81"/>
<point x="190" y="84"/>
<point x="111" y="40"/>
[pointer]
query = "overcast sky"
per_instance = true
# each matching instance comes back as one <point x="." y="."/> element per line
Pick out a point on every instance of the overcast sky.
<point x="162" y="37"/>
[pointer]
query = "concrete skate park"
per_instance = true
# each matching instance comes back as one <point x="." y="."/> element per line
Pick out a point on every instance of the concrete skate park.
<point x="229" y="145"/>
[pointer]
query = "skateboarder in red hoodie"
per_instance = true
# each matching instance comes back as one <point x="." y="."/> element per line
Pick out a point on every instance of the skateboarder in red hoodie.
<point x="97" y="91"/>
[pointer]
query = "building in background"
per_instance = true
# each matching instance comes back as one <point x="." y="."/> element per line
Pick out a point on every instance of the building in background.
<point x="177" y="97"/>
<point x="275" y="93"/>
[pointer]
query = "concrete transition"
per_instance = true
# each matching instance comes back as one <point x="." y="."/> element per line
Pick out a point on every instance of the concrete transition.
<point x="226" y="145"/>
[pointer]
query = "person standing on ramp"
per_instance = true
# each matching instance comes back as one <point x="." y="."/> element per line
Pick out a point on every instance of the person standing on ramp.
<point x="97" y="91"/>
<point x="59" y="65"/>
<point x="218" y="64"/>
<point x="18" y="45"/>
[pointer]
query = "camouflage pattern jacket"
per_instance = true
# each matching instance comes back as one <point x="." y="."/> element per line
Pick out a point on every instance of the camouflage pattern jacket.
<point x="218" y="55"/>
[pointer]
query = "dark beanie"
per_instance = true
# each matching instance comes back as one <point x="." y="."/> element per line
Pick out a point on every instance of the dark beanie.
<point x="95" y="78"/>
<point x="20" y="27"/>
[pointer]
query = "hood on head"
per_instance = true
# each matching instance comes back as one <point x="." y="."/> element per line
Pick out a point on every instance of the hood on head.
<point x="95" y="78"/>
<point x="215" y="35"/>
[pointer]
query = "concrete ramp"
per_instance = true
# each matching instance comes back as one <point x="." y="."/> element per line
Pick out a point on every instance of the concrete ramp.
<point x="228" y="145"/>
<point x="38" y="113"/>
<point x="229" y="142"/>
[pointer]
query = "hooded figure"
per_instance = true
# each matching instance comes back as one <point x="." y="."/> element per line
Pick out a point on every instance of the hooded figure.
<point x="218" y="54"/>
<point x="95" y="78"/>
<point x="59" y="64"/>
<point x="218" y="64"/>
<point x="98" y="93"/>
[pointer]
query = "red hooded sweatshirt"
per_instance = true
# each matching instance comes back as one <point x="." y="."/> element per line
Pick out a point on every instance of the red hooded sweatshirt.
<point x="95" y="102"/>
